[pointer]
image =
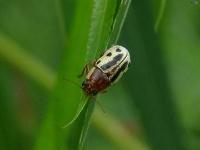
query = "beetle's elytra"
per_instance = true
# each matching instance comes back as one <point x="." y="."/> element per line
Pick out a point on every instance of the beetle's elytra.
<point x="107" y="70"/>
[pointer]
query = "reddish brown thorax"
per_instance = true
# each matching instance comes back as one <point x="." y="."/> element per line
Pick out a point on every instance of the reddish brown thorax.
<point x="97" y="82"/>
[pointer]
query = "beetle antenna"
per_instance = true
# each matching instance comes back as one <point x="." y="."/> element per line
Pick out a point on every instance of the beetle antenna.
<point x="73" y="82"/>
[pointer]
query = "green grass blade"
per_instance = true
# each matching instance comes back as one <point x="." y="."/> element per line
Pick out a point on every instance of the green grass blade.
<point x="86" y="120"/>
<point x="99" y="38"/>
<point x="121" y="12"/>
<point x="148" y="81"/>
<point x="160" y="14"/>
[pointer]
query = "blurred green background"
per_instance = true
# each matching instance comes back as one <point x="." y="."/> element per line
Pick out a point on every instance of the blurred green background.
<point x="156" y="105"/>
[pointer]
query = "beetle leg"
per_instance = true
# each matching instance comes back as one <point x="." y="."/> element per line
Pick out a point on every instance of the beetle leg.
<point x="99" y="104"/>
<point x="101" y="107"/>
<point x="84" y="71"/>
<point x="86" y="68"/>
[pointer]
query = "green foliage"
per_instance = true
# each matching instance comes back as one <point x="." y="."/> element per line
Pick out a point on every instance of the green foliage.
<point x="155" y="106"/>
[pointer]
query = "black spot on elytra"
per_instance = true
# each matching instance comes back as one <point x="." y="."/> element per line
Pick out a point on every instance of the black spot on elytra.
<point x="109" y="54"/>
<point x="98" y="61"/>
<point x="112" y="62"/>
<point x="123" y="67"/>
<point x="106" y="66"/>
<point x="118" y="57"/>
<point x="118" y="50"/>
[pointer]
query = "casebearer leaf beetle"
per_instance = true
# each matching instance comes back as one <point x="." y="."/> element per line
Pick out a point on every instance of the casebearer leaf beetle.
<point x="107" y="70"/>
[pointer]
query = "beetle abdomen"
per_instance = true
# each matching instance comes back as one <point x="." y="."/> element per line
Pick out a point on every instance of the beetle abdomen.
<point x="96" y="82"/>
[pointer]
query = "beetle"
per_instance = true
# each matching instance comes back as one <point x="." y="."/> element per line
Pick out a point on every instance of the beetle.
<point x="106" y="71"/>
